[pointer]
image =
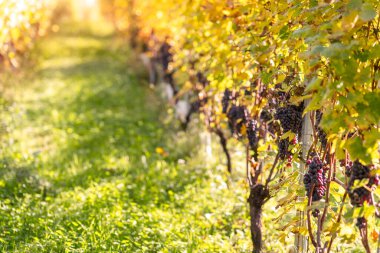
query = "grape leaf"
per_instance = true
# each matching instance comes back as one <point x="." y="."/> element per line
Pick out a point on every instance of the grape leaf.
<point x="368" y="12"/>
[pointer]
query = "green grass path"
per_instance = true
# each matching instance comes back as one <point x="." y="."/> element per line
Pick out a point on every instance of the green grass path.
<point x="79" y="168"/>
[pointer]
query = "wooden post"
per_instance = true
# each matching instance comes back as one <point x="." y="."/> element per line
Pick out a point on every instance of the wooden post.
<point x="301" y="242"/>
<point x="205" y="138"/>
<point x="208" y="143"/>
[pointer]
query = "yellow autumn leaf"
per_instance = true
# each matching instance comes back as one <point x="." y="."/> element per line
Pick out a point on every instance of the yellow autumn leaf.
<point x="349" y="21"/>
<point x="281" y="78"/>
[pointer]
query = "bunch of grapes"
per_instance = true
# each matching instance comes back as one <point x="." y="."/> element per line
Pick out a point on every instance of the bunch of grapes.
<point x="316" y="175"/>
<point x="200" y="101"/>
<point x="195" y="107"/>
<point x="290" y="118"/>
<point x="358" y="171"/>
<point x="202" y="79"/>
<point x="165" y="56"/>
<point x="237" y="118"/>
<point x="252" y="133"/>
<point x="283" y="149"/>
<point x="227" y="97"/>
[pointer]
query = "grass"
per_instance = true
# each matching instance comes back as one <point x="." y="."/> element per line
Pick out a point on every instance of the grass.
<point x="80" y="171"/>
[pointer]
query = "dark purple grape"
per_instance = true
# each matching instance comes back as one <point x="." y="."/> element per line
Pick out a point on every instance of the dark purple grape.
<point x="247" y="92"/>
<point x="361" y="222"/>
<point x="315" y="213"/>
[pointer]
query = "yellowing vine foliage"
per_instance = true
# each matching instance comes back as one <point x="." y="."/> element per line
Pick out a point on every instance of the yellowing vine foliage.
<point x="21" y="22"/>
<point x="325" y="54"/>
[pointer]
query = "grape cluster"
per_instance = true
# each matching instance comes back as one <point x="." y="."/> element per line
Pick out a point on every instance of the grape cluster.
<point x="195" y="107"/>
<point x="358" y="171"/>
<point x="283" y="149"/>
<point x="252" y="133"/>
<point x="290" y="118"/>
<point x="198" y="104"/>
<point x="165" y="56"/>
<point x="227" y="97"/>
<point x="316" y="175"/>
<point x="247" y="92"/>
<point x="237" y="118"/>
<point x="202" y="79"/>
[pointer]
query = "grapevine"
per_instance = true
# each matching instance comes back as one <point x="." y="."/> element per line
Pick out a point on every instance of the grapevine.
<point x="293" y="86"/>
<point x="264" y="66"/>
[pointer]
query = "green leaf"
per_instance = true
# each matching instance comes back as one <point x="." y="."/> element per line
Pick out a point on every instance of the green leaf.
<point x="355" y="4"/>
<point x="368" y="12"/>
<point x="302" y="32"/>
<point x="315" y="103"/>
<point x="287" y="199"/>
<point x="296" y="100"/>
<point x="317" y="49"/>
<point x="313" y="3"/>
<point x="284" y="32"/>
<point x="357" y="150"/>
<point x="375" y="52"/>
<point x="314" y="84"/>
<point x="373" y="100"/>
<point x="316" y="205"/>
<point x="334" y="50"/>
